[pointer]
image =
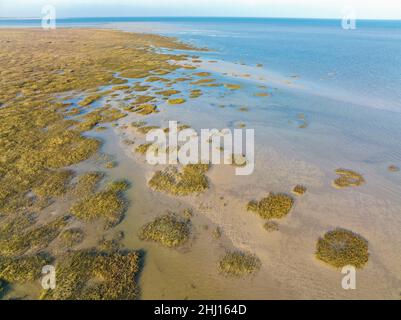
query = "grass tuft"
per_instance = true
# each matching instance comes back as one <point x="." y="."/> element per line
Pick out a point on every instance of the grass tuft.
<point x="87" y="183"/>
<point x="53" y="184"/>
<point x="238" y="263"/>
<point x="107" y="204"/>
<point x="72" y="237"/>
<point x="299" y="190"/>
<point x="94" y="275"/>
<point x="176" y="101"/>
<point x="348" y="178"/>
<point x="22" y="269"/>
<point x="191" y="180"/>
<point x="342" y="247"/>
<point x="167" y="230"/>
<point x="274" y="206"/>
<point x="34" y="239"/>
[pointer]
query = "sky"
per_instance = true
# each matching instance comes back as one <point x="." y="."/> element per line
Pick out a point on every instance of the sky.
<point x="363" y="9"/>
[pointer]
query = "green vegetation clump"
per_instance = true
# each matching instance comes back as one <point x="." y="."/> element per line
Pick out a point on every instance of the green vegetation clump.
<point x="72" y="237"/>
<point x="87" y="183"/>
<point x="121" y="87"/>
<point x="94" y="275"/>
<point x="118" y="185"/>
<point x="142" y="99"/>
<point x="15" y="225"/>
<point x="34" y="239"/>
<point x="238" y="263"/>
<point x="190" y="180"/>
<point x="196" y="93"/>
<point x="168" y="93"/>
<point x="111" y="164"/>
<point x="143" y="148"/>
<point x="36" y="140"/>
<point x="138" y="124"/>
<point x="156" y="79"/>
<point x="101" y="128"/>
<point x="203" y="74"/>
<point x="232" y="86"/>
<point x="274" y="206"/>
<point x="140" y="88"/>
<point x="176" y="101"/>
<point x="101" y="115"/>
<point x="147" y="129"/>
<point x="238" y="160"/>
<point x="107" y="204"/>
<point x="271" y="226"/>
<point x="22" y="269"/>
<point x="91" y="99"/>
<point x="53" y="183"/>
<point x="203" y="81"/>
<point x="145" y="109"/>
<point x="299" y="190"/>
<point x="348" y="178"/>
<point x="167" y="230"/>
<point x="341" y="247"/>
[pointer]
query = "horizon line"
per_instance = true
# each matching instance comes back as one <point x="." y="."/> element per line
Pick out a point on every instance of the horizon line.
<point x="213" y="17"/>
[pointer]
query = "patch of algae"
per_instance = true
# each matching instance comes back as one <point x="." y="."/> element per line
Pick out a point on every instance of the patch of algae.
<point x="168" y="93"/>
<point x="92" y="98"/>
<point x="168" y="230"/>
<point x="37" y="142"/>
<point x="145" y="109"/>
<point x="101" y="115"/>
<point x="299" y="190"/>
<point x="107" y="204"/>
<point x="274" y="206"/>
<point x="22" y="269"/>
<point x="232" y="86"/>
<point x="341" y="247"/>
<point x="34" y="239"/>
<point x="239" y="264"/>
<point x="348" y="178"/>
<point x="196" y="93"/>
<point x="72" y="237"/>
<point x="176" y="101"/>
<point x="143" y="148"/>
<point x="53" y="184"/>
<point x="87" y="183"/>
<point x="146" y="129"/>
<point x="95" y="275"/>
<point x="191" y="180"/>
<point x="203" y="74"/>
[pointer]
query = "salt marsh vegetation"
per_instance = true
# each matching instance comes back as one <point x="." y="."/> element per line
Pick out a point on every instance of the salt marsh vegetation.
<point x="168" y="230"/>
<point x="274" y="206"/>
<point x="341" y="247"/>
<point x="237" y="263"/>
